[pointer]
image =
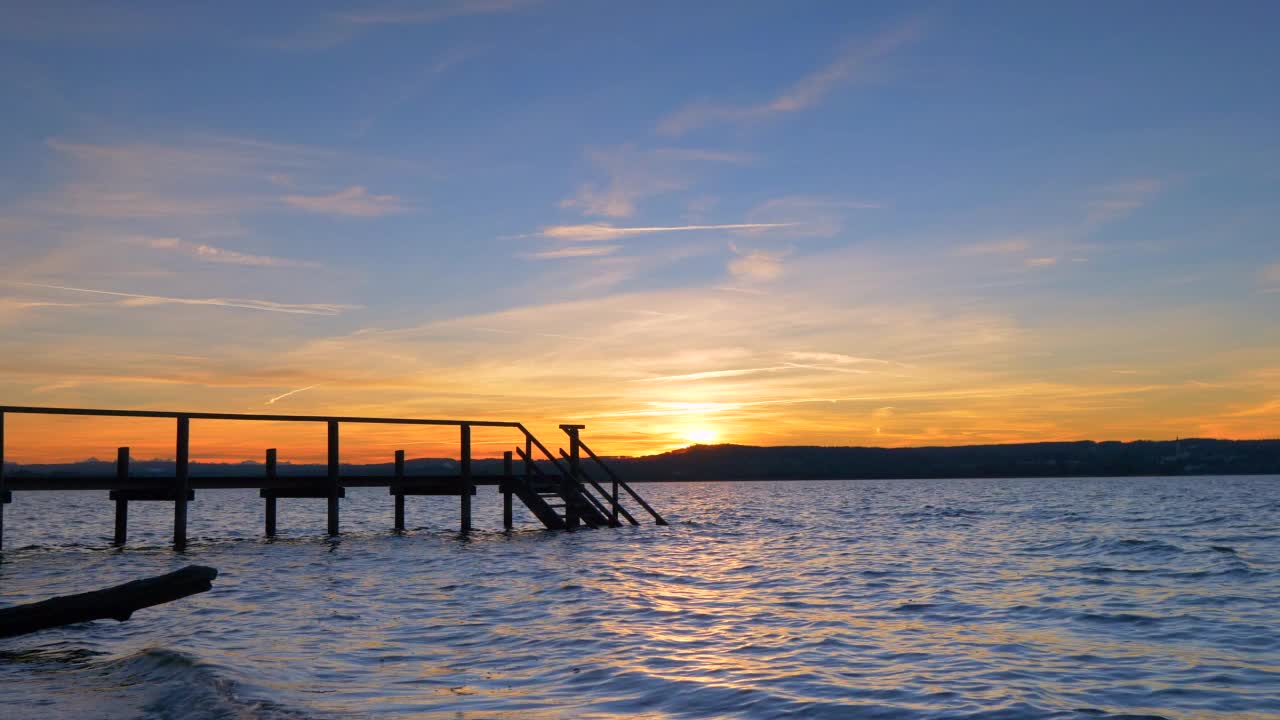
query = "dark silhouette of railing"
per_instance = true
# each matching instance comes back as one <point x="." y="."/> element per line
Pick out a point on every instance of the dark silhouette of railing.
<point x="534" y="487"/>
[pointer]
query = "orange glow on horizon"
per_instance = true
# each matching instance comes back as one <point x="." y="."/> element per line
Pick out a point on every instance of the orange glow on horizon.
<point x="57" y="439"/>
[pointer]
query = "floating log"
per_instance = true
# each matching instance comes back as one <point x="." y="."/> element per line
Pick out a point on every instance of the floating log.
<point x="117" y="603"/>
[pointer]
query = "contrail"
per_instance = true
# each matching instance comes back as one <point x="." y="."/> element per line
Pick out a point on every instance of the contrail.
<point x="138" y="300"/>
<point x="273" y="400"/>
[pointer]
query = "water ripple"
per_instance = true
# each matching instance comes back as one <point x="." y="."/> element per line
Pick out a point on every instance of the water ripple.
<point x="1072" y="599"/>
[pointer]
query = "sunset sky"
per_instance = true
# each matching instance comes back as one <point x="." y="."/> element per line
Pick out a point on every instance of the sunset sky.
<point x="754" y="222"/>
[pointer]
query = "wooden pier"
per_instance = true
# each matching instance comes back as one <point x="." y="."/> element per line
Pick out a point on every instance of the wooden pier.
<point x="563" y="496"/>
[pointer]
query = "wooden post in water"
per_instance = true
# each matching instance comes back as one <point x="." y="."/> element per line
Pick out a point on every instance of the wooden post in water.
<point x="570" y="492"/>
<point x="122" y="505"/>
<point x="528" y="457"/>
<point x="271" y="499"/>
<point x="399" y="496"/>
<point x="182" y="483"/>
<point x="613" y="509"/>
<point x="466" y="478"/>
<point x="333" y="477"/>
<point x="507" y="479"/>
<point x="4" y="494"/>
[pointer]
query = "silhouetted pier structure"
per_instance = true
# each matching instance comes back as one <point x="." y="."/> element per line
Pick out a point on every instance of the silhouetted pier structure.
<point x="560" y="495"/>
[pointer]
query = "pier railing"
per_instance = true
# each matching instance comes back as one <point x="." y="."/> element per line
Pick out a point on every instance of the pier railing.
<point x="534" y="487"/>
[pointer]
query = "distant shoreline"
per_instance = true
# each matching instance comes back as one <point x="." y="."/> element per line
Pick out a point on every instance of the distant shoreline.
<point x="736" y="463"/>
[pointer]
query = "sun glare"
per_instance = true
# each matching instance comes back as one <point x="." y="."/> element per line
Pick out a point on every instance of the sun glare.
<point x="701" y="435"/>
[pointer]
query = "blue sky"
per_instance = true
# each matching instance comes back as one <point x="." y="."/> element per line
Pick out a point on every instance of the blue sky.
<point x="845" y="223"/>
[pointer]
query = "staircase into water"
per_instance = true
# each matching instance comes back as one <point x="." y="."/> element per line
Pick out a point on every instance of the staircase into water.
<point x="570" y="495"/>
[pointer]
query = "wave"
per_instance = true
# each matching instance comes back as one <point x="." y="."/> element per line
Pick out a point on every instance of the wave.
<point x="156" y="683"/>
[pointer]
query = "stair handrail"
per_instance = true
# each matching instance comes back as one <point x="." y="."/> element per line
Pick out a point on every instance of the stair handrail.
<point x="613" y="501"/>
<point x="538" y="444"/>
<point x="622" y="483"/>
<point x="565" y="475"/>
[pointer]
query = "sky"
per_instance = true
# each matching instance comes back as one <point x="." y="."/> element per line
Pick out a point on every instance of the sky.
<point x="773" y="223"/>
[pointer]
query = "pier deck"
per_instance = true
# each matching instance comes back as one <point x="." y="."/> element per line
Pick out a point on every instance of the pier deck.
<point x="562" y="495"/>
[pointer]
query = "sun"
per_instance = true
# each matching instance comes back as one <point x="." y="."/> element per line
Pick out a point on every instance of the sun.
<point x="701" y="435"/>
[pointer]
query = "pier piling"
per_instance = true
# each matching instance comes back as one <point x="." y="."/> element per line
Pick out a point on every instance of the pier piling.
<point x="575" y="470"/>
<point x="467" y="487"/>
<point x="270" y="509"/>
<point x="507" y="480"/>
<point x="122" y="502"/>
<point x="334" y="489"/>
<point x="4" y="494"/>
<point x="399" y="519"/>
<point x="182" y="483"/>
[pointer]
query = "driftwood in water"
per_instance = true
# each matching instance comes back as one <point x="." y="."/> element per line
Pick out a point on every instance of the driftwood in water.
<point x="116" y="603"/>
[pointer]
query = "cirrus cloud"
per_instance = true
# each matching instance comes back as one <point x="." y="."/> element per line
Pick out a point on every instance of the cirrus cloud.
<point x="354" y="201"/>
<point x="596" y="231"/>
<point x="805" y="93"/>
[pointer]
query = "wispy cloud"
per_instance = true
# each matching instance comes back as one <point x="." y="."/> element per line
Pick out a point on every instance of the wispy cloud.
<point x="835" y="358"/>
<point x="214" y="254"/>
<point x="805" y="93"/>
<point x="95" y="201"/>
<point x="575" y="251"/>
<point x="418" y="82"/>
<point x="354" y="201"/>
<point x="12" y="303"/>
<point x="716" y="374"/>
<point x="756" y="264"/>
<point x="595" y="232"/>
<point x="291" y="393"/>
<point x="1039" y="262"/>
<point x="808" y="215"/>
<point x="741" y="372"/>
<point x="632" y="174"/>
<point x="195" y="177"/>
<point x="140" y="300"/>
<point x="1120" y="199"/>
<point x="339" y="28"/>
<point x="995" y="247"/>
<point x="1271" y="278"/>
<point x="193" y="156"/>
<point x="426" y="13"/>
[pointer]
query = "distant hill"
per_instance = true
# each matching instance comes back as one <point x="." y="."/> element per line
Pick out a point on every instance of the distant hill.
<point x="1055" y="459"/>
<point x="745" y="462"/>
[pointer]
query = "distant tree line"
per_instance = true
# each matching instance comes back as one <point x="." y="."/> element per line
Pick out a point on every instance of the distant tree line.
<point x="1054" y="459"/>
<point x="745" y="462"/>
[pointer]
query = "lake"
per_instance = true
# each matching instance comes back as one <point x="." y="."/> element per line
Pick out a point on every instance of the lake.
<point x="1070" y="598"/>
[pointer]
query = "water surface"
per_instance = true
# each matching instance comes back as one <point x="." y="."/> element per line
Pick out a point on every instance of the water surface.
<point x="1080" y="598"/>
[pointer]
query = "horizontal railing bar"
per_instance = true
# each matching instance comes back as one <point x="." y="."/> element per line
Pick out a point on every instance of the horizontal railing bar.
<point x="243" y="416"/>
<point x="231" y="482"/>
